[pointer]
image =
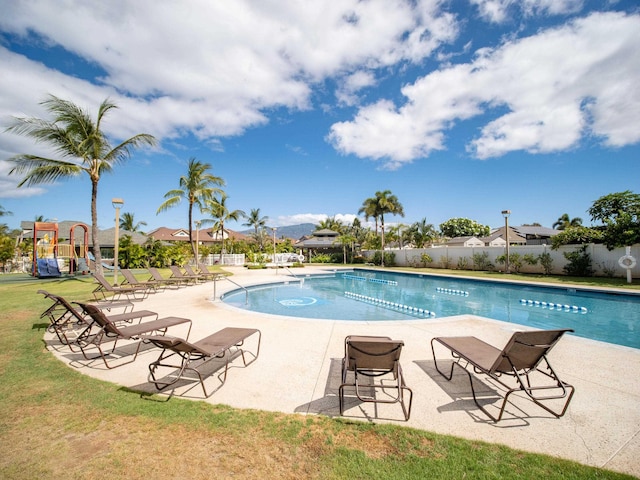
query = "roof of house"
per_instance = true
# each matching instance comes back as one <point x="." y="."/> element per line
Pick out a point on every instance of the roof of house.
<point x="514" y="236"/>
<point x="320" y="239"/>
<point x="166" y="234"/>
<point x="536" y="231"/>
<point x="462" y="240"/>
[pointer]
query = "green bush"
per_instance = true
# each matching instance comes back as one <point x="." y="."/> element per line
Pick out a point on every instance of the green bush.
<point x="546" y="261"/>
<point x="579" y="263"/>
<point x="481" y="261"/>
<point x="321" y="258"/>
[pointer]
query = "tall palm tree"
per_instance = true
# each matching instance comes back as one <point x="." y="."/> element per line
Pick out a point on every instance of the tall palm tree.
<point x="370" y="210"/>
<point x="127" y="222"/>
<point x="82" y="146"/>
<point x="220" y="213"/>
<point x="387" y="204"/>
<point x="564" y="222"/>
<point x="196" y="188"/>
<point x="258" y="223"/>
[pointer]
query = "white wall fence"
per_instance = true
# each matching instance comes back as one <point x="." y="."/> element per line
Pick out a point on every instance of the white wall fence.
<point x="224" y="259"/>
<point x="602" y="260"/>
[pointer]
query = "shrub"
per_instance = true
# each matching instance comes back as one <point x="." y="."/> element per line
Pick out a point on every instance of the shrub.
<point x="546" y="261"/>
<point x="481" y="261"/>
<point x="579" y="263"/>
<point x="463" y="263"/>
<point x="321" y="258"/>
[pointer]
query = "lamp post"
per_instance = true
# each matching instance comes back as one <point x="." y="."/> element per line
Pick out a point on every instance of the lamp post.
<point x="505" y="214"/>
<point x="197" y="222"/>
<point x="274" y="248"/>
<point x="117" y="204"/>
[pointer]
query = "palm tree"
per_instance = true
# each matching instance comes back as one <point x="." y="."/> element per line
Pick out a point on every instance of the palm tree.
<point x="346" y="239"/>
<point x="217" y="208"/>
<point x="422" y="233"/>
<point x="258" y="223"/>
<point x="82" y="146"/>
<point x="128" y="223"/>
<point x="4" y="212"/>
<point x="330" y="223"/>
<point x="196" y="187"/>
<point x="565" y="222"/>
<point x="387" y="204"/>
<point x="370" y="210"/>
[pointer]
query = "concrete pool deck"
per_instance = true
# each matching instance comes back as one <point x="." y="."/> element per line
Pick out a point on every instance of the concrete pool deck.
<point x="298" y="371"/>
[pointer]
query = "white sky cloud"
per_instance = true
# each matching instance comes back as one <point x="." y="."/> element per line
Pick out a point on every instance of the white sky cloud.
<point x="557" y="86"/>
<point x="497" y="11"/>
<point x="212" y="68"/>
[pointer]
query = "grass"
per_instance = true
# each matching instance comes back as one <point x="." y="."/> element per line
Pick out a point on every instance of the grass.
<point x="57" y="423"/>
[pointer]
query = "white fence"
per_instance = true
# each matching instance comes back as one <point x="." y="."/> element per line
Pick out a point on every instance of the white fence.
<point x="225" y="259"/>
<point x="603" y="261"/>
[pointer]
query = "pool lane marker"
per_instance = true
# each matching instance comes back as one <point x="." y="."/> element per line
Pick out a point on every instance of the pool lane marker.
<point x="554" y="306"/>
<point x="391" y="305"/>
<point x="372" y="280"/>
<point x="451" y="291"/>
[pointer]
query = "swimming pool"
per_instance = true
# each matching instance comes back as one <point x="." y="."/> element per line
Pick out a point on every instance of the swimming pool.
<point x="383" y="296"/>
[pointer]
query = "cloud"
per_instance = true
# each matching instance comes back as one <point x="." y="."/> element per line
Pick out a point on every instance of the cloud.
<point x="347" y="94"/>
<point x="213" y="68"/>
<point x="556" y="87"/>
<point x="498" y="11"/>
<point x="315" y="218"/>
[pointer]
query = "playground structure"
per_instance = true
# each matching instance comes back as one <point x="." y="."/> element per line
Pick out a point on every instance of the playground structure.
<point x="50" y="256"/>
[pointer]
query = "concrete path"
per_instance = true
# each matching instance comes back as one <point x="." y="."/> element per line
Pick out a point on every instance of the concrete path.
<point x="298" y="371"/>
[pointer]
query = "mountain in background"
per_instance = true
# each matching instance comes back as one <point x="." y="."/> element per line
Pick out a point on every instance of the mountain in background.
<point x="290" y="231"/>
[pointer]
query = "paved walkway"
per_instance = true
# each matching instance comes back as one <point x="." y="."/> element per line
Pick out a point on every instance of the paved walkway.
<point x="298" y="371"/>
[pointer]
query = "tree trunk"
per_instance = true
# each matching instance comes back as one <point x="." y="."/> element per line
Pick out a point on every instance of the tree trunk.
<point x="94" y="227"/>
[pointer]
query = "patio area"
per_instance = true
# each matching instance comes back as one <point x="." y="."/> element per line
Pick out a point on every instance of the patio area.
<point x="298" y="371"/>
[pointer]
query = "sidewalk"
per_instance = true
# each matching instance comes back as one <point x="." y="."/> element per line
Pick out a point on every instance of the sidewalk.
<point x="298" y="371"/>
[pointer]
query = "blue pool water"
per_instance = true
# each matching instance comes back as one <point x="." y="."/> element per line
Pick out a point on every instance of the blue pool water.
<point x="371" y="296"/>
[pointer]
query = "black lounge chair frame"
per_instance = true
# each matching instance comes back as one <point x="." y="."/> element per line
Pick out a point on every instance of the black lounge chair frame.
<point x="194" y="356"/>
<point x="72" y="326"/>
<point x="108" y="331"/>
<point x="524" y="356"/>
<point x="208" y="273"/>
<point x="374" y="357"/>
<point x="179" y="275"/>
<point x="130" y="279"/>
<point x="131" y="292"/>
<point x="167" y="282"/>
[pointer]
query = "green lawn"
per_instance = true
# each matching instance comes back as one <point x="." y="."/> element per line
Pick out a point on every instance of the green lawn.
<point x="57" y="423"/>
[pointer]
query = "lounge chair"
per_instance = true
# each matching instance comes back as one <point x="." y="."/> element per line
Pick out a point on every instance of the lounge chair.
<point x="523" y="358"/>
<point x="178" y="274"/>
<point x="208" y="273"/>
<point x="70" y="325"/>
<point x="108" y="331"/>
<point x="130" y="279"/>
<point x="131" y="292"/>
<point x="371" y="358"/>
<point x="200" y="276"/>
<point x="193" y="357"/>
<point x="168" y="282"/>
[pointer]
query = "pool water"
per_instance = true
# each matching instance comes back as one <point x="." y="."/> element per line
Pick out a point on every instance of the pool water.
<point x="382" y="296"/>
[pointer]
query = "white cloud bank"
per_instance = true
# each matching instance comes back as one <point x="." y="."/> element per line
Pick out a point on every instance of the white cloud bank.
<point x="557" y="86"/>
<point x="212" y="68"/>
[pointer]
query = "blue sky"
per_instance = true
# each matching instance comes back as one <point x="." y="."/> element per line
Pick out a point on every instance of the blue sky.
<point x="305" y="109"/>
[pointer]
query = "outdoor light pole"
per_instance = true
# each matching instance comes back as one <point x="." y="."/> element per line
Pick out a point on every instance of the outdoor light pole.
<point x="117" y="204"/>
<point x="274" y="248"/>
<point x="198" y="222"/>
<point x="505" y="214"/>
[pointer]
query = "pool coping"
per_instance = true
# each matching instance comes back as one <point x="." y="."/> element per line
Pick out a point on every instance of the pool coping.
<point x="296" y="373"/>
